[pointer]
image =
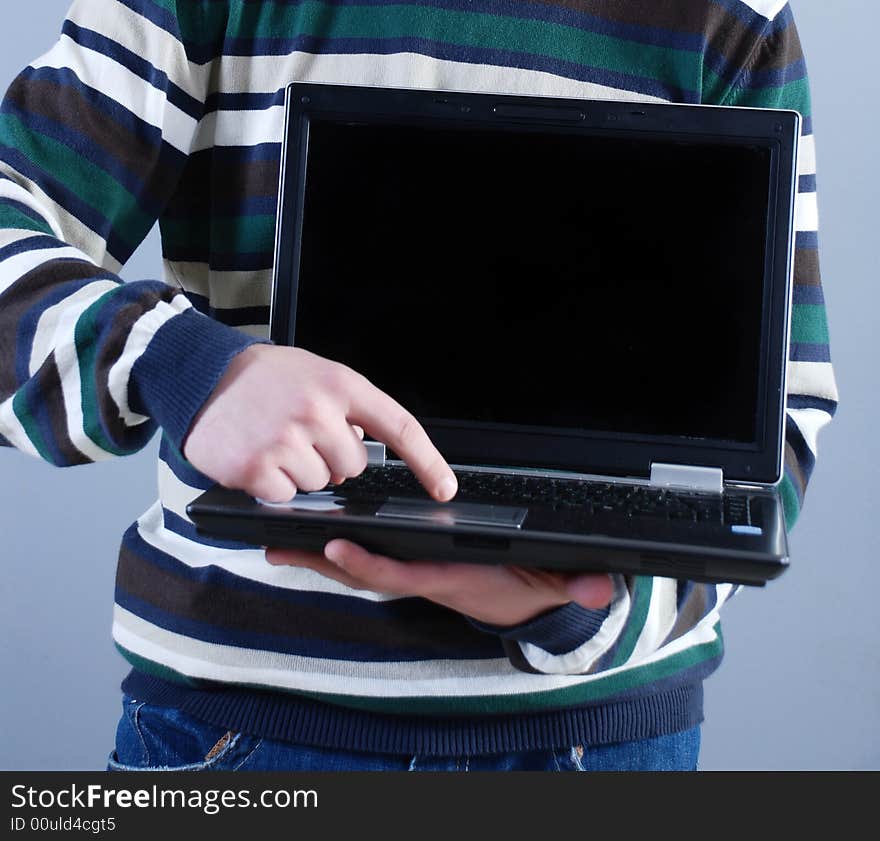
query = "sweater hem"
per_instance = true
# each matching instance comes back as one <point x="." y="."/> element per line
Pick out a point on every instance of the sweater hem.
<point x="301" y="720"/>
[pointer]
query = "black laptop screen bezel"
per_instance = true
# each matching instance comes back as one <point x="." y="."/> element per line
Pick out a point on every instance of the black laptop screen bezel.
<point x="584" y="452"/>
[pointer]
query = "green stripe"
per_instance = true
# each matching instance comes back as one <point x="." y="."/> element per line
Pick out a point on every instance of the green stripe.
<point x="793" y="95"/>
<point x="791" y="506"/>
<point x="85" y="338"/>
<point x="11" y="218"/>
<point x="150" y="667"/>
<point x="22" y="411"/>
<point x="809" y="324"/>
<point x="594" y="691"/>
<point x="643" y="587"/>
<point x="88" y="182"/>
<point x="465" y="29"/>
<point x="220" y="235"/>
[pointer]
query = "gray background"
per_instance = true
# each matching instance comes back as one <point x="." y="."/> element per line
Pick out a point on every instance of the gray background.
<point x="800" y="687"/>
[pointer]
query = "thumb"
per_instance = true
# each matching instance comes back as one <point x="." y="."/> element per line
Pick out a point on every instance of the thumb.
<point x="590" y="591"/>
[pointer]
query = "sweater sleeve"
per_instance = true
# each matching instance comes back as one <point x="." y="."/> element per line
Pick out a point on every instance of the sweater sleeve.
<point x="93" y="138"/>
<point x="775" y="76"/>
<point x="759" y="64"/>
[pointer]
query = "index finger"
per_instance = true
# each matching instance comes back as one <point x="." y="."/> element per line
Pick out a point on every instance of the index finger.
<point x="387" y="421"/>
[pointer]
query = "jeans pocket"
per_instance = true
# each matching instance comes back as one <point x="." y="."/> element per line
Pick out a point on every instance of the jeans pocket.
<point x="154" y="738"/>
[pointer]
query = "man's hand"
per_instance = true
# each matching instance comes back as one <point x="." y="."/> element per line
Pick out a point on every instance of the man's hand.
<point x="498" y="595"/>
<point x="282" y="419"/>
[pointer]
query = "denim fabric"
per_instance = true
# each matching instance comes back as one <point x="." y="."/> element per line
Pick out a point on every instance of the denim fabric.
<point x="153" y="738"/>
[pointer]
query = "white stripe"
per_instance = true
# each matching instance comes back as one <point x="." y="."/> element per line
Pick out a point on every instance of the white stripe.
<point x="441" y="678"/>
<point x="249" y="564"/>
<point x="67" y="362"/>
<point x="768" y="8"/>
<point x="659" y="620"/>
<point x="438" y="678"/>
<point x="410" y="70"/>
<point x="66" y="226"/>
<point x="246" y="74"/>
<point x="128" y="89"/>
<point x="136" y="343"/>
<point x="806" y="211"/>
<point x="12" y="430"/>
<point x="8" y="236"/>
<point x="13" y="190"/>
<point x="47" y="333"/>
<point x="810" y="422"/>
<point x="807" y="155"/>
<point x="815" y="379"/>
<point x="582" y="658"/>
<point x="18" y="265"/>
<point x="224" y="289"/>
<point x="145" y="39"/>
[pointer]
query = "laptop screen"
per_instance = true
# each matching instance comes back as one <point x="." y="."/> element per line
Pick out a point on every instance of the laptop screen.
<point x="533" y="280"/>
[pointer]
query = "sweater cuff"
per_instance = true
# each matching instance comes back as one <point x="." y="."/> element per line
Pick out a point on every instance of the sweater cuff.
<point x="558" y="631"/>
<point x="181" y="366"/>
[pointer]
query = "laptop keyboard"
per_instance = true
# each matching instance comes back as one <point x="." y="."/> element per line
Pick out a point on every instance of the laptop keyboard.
<point x="564" y="495"/>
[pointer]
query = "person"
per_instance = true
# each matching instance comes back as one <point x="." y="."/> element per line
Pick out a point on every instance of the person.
<point x="244" y="658"/>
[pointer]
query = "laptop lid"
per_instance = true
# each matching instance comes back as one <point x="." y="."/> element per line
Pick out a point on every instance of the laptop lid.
<point x="584" y="286"/>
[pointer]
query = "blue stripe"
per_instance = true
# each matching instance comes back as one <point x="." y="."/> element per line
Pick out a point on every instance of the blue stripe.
<point x="803" y="293"/>
<point x="809" y="352"/>
<point x="308" y="647"/>
<point x="24" y="210"/>
<point x="139" y="66"/>
<point x="234" y="316"/>
<point x="453" y="52"/>
<point x="756" y="21"/>
<point x="4" y="442"/>
<point x="27" y="325"/>
<point x="774" y="77"/>
<point x="35" y="243"/>
<point x="806" y="126"/>
<point x="234" y="206"/>
<point x="243" y="101"/>
<point x="84" y="146"/>
<point x="37" y="402"/>
<point x="114" y="110"/>
<point x="807" y="401"/>
<point x="116" y="246"/>
<point x="807" y="184"/>
<point x="181" y="468"/>
<point x="808" y="240"/>
<point x="219" y="580"/>
<point x="176" y="523"/>
<point x="245" y="261"/>
<point x="242" y="154"/>
<point x="805" y="456"/>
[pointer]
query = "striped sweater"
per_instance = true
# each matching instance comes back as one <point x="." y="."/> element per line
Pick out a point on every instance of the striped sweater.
<point x="172" y="110"/>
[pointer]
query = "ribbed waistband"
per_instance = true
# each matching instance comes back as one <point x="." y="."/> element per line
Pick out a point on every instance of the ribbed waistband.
<point x="294" y="718"/>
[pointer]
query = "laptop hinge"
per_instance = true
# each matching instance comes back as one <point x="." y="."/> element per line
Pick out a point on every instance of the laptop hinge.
<point x="375" y="452"/>
<point x="709" y="479"/>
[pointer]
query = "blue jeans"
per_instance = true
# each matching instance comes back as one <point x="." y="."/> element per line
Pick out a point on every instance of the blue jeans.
<point x="153" y="738"/>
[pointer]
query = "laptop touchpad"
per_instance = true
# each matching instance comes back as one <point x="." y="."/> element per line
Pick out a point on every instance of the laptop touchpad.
<point x="453" y="513"/>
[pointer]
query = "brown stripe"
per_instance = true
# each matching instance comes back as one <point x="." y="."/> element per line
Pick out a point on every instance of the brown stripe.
<point x="692" y="611"/>
<point x="110" y="351"/>
<point x="48" y="382"/>
<point x="795" y="470"/>
<point x="727" y="34"/>
<point x="806" y="267"/>
<point x="68" y="107"/>
<point x="401" y="625"/>
<point x="218" y="183"/>
<point x="27" y="292"/>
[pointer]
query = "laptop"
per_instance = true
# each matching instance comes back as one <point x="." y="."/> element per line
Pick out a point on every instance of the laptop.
<point x="585" y="303"/>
